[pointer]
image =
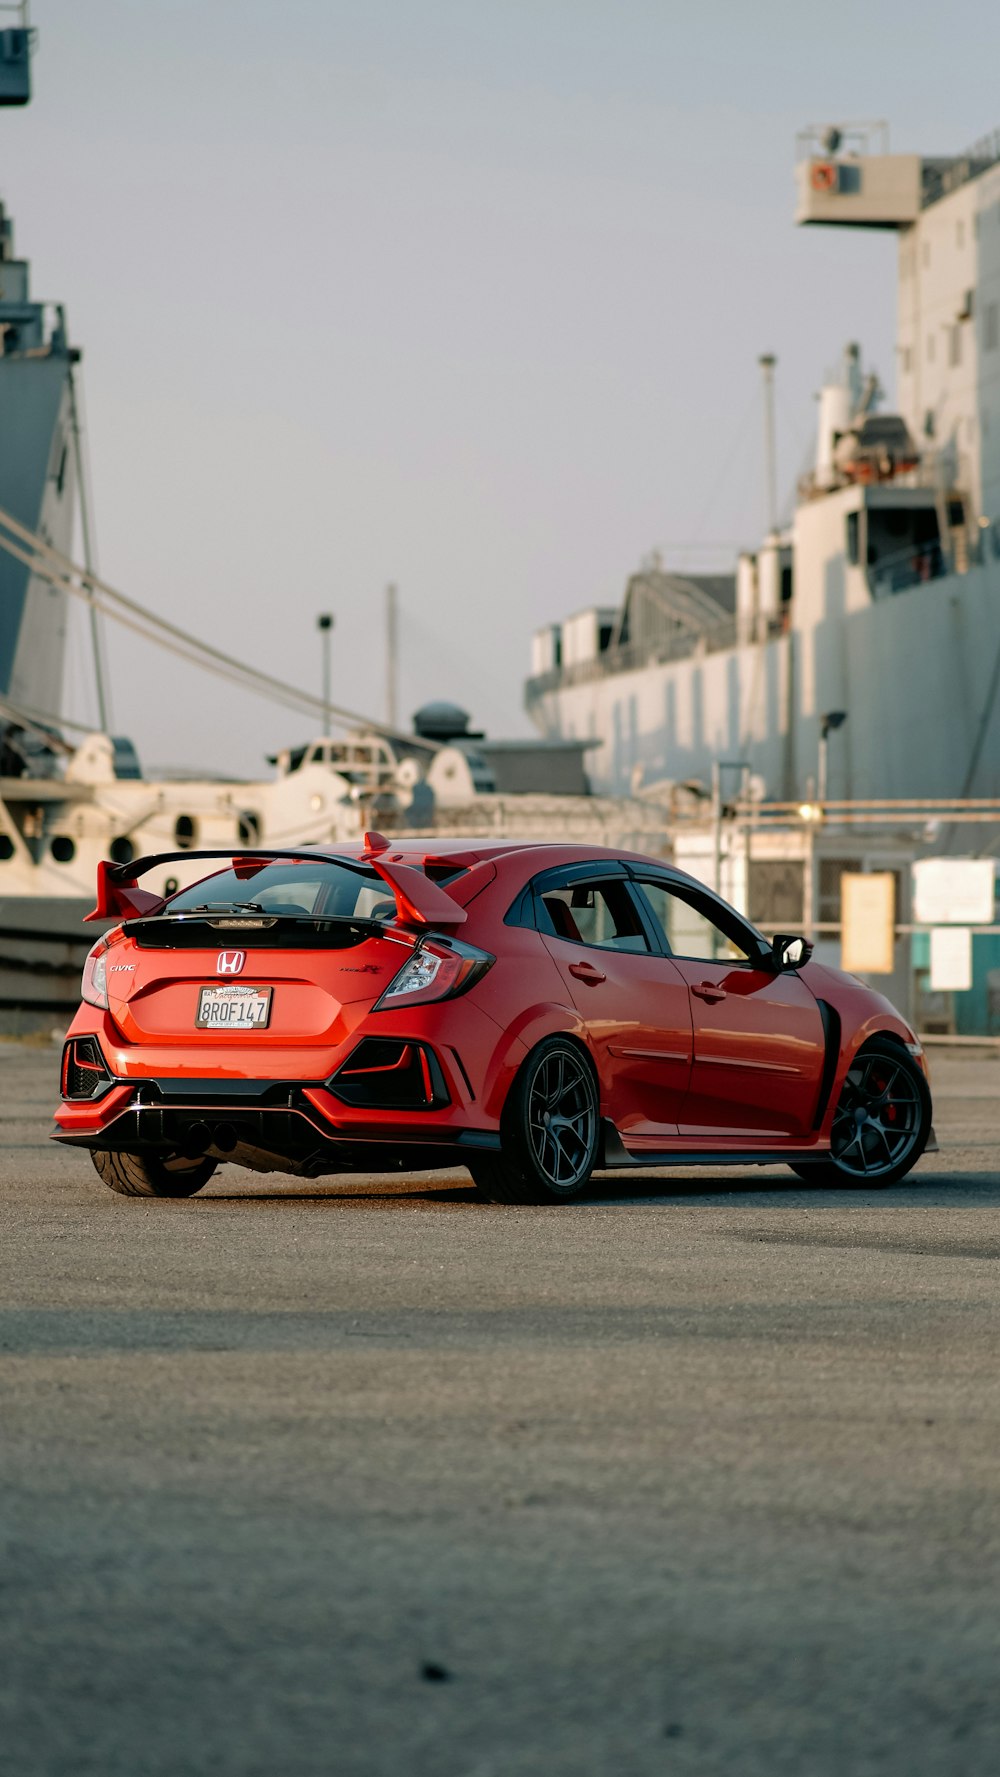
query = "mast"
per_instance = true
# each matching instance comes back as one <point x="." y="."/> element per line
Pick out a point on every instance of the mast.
<point x="391" y="653"/>
<point x="767" y="363"/>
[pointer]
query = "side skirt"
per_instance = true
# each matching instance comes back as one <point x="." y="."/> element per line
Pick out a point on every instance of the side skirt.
<point x="616" y="1155"/>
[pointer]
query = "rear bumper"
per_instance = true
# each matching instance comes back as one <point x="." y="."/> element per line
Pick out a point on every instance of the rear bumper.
<point x="268" y="1126"/>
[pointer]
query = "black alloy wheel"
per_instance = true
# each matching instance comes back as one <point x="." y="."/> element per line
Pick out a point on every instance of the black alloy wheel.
<point x="549" y="1131"/>
<point x="881" y="1123"/>
<point x="152" y="1175"/>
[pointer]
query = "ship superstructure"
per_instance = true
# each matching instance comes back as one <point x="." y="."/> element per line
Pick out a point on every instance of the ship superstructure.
<point x="38" y="479"/>
<point x="880" y="603"/>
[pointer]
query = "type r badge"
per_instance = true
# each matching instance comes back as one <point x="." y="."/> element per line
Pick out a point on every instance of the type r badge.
<point x="230" y="962"/>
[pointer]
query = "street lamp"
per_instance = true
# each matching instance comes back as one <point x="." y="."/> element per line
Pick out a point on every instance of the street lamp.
<point x="827" y="723"/>
<point x="324" y="623"/>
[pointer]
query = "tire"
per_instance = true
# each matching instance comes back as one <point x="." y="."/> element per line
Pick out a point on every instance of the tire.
<point x="152" y="1175"/>
<point x="878" y="1148"/>
<point x="549" y="1131"/>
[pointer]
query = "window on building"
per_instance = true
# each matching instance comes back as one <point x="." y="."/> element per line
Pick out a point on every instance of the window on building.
<point x="906" y="360"/>
<point x="991" y="327"/>
<point x="830" y="872"/>
<point x="954" y="345"/>
<point x="777" y="893"/>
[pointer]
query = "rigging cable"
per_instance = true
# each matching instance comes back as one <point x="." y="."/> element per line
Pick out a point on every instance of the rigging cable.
<point x="67" y="576"/>
<point x="83" y="483"/>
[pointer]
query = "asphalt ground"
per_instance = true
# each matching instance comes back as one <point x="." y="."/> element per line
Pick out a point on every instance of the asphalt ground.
<point x="700" y="1475"/>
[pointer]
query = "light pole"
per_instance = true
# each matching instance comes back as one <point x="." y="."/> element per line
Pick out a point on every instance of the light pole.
<point x="827" y="723"/>
<point x="324" y="623"/>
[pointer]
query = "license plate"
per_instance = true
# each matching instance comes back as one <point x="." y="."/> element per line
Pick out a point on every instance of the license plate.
<point x="234" y="1006"/>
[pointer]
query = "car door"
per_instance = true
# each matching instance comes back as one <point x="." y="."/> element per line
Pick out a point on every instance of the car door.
<point x="635" y="1003"/>
<point x="758" y="1036"/>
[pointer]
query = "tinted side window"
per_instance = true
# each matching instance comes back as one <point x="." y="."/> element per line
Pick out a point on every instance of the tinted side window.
<point x="599" y="913"/>
<point x="690" y="932"/>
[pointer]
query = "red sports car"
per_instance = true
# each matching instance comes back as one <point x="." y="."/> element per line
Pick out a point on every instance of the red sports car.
<point x="533" y="1012"/>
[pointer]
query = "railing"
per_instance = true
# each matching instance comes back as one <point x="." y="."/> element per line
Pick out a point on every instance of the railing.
<point x="635" y="657"/>
<point x="908" y="567"/>
<point x="938" y="181"/>
<point x="921" y="562"/>
<point x="874" y="811"/>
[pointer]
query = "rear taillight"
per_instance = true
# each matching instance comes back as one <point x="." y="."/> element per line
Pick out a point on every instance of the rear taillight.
<point x="439" y="969"/>
<point x="94" y="985"/>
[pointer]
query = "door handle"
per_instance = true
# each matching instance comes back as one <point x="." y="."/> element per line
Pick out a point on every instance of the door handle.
<point x="587" y="972"/>
<point x="707" y="990"/>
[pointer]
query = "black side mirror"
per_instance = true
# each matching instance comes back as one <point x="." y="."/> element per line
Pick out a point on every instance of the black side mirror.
<point x="789" y="951"/>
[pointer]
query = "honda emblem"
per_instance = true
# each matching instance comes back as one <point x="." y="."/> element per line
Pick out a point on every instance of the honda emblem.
<point x="230" y="962"/>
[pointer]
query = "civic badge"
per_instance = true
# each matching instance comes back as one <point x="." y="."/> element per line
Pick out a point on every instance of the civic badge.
<point x="230" y="962"/>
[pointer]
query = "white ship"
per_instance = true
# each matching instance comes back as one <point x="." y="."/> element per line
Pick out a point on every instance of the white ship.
<point x="855" y="654"/>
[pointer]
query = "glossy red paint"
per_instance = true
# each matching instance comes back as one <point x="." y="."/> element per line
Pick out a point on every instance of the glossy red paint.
<point x="726" y="1056"/>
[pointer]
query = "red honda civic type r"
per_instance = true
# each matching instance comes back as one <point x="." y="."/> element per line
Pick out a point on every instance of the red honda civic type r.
<point x="532" y="1012"/>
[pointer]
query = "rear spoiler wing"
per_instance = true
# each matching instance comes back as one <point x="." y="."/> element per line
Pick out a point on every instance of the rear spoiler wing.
<point x="419" y="902"/>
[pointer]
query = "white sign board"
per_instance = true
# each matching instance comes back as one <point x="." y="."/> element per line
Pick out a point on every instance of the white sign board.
<point x="953" y="891"/>
<point x="951" y="959"/>
<point x="867" y="922"/>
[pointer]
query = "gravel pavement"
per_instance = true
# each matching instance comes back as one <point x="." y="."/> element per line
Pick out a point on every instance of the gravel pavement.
<point x="370" y="1479"/>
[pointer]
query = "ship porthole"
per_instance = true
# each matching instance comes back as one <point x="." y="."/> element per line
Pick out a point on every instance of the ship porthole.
<point x="63" y="848"/>
<point x="122" y="850"/>
<point x="6" y="847"/>
<point x="185" y="832"/>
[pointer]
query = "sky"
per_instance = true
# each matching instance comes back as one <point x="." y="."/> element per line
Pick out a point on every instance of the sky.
<point x="463" y="294"/>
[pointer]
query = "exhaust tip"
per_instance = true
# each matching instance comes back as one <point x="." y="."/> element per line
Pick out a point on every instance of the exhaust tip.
<point x="196" y="1140"/>
<point x="224" y="1138"/>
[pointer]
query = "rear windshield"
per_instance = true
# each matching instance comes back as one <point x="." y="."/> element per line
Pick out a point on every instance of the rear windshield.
<point x="321" y="889"/>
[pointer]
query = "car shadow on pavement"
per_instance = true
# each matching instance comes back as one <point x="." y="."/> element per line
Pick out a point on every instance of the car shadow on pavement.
<point x="928" y="1190"/>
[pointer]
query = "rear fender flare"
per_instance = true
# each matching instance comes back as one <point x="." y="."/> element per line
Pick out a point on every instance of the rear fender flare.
<point x="529" y="1029"/>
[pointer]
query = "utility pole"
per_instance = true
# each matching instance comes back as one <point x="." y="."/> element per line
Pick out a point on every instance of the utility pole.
<point x="324" y="623"/>
<point x="767" y="363"/>
<point x="391" y="654"/>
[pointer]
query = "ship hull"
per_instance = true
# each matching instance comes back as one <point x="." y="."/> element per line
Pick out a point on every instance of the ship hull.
<point x="916" y="674"/>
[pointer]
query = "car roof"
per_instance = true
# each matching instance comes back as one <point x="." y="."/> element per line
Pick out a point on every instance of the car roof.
<point x="431" y="849"/>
